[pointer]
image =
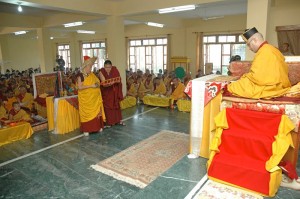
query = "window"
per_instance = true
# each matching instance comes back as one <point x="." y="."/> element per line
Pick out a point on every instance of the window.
<point x="219" y="48"/>
<point x="64" y="51"/>
<point x="96" y="49"/>
<point x="148" y="54"/>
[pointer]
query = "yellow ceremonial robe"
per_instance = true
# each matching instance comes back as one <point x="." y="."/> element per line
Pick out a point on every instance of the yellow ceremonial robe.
<point x="9" y="103"/>
<point x="160" y="89"/>
<point x="167" y="80"/>
<point x="142" y="90"/>
<point x="149" y="85"/>
<point x="3" y="113"/>
<point x="267" y="78"/>
<point x="28" y="100"/>
<point x="90" y="100"/>
<point x="21" y="115"/>
<point x="178" y="92"/>
<point x="132" y="90"/>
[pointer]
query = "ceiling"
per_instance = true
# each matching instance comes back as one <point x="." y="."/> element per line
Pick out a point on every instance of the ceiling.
<point x="205" y="11"/>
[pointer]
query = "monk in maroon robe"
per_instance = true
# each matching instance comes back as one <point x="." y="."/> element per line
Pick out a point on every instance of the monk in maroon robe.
<point x="111" y="89"/>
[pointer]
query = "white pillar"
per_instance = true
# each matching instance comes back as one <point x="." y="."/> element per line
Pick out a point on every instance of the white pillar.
<point x="46" y="59"/>
<point x="257" y="16"/>
<point x="116" y="49"/>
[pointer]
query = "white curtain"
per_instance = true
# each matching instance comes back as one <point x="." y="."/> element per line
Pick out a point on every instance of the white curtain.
<point x="199" y="51"/>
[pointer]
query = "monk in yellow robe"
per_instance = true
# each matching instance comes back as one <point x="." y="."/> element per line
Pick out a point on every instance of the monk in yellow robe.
<point x="141" y="90"/>
<point x="18" y="114"/>
<point x="168" y="79"/>
<point x="149" y="82"/>
<point x="177" y="90"/>
<point x="132" y="91"/>
<point x="157" y="97"/>
<point x="8" y="103"/>
<point x="3" y="112"/>
<point x="91" y="110"/>
<point x="159" y="87"/>
<point x="25" y="98"/>
<point x="268" y="75"/>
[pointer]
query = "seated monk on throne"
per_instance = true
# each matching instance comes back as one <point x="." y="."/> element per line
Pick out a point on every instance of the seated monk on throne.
<point x="267" y="78"/>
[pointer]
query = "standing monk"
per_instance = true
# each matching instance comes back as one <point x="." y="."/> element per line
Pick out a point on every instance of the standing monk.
<point x="91" y="109"/>
<point x="111" y="88"/>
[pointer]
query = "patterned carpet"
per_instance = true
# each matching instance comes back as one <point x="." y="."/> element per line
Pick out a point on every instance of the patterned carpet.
<point x="143" y="162"/>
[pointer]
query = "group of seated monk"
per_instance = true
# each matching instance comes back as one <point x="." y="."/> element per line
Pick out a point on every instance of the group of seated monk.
<point x="18" y="107"/>
<point x="16" y="96"/>
<point x="166" y="85"/>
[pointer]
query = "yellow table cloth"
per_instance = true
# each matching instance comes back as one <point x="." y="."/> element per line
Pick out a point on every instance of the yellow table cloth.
<point x="50" y="113"/>
<point x="155" y="100"/>
<point x="128" y="102"/>
<point x="184" y="105"/>
<point x="10" y="134"/>
<point x="42" y="111"/>
<point x="62" y="116"/>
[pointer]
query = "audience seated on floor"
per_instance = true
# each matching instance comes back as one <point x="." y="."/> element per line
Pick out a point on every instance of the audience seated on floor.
<point x="10" y="99"/>
<point x="16" y="114"/>
<point x="149" y="82"/>
<point x="132" y="88"/>
<point x="167" y="78"/>
<point x="159" y="88"/>
<point x="141" y="89"/>
<point x="25" y="99"/>
<point x="158" y="96"/>
<point x="145" y="75"/>
<point x="3" y="112"/>
<point x="176" y="91"/>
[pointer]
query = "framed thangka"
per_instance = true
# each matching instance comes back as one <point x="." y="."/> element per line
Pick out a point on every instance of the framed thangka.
<point x="47" y="83"/>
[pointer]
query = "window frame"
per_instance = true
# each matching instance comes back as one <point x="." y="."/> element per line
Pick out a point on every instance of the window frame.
<point x="94" y="50"/>
<point x="63" y="52"/>
<point x="218" y="37"/>
<point x="148" y="47"/>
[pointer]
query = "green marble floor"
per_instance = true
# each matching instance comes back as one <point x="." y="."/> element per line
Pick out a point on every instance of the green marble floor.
<point x="58" y="166"/>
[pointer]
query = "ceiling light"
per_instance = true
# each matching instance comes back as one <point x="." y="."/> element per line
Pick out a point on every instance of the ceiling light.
<point x="177" y="9"/>
<point x="51" y="38"/>
<point x="20" y="9"/>
<point x="20" y="32"/>
<point x="78" y="23"/>
<point x="155" y="24"/>
<point x="86" y="31"/>
<point x="210" y="18"/>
